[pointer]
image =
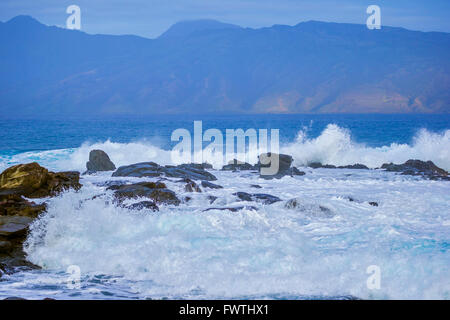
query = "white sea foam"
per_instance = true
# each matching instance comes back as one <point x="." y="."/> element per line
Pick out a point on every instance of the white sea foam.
<point x="272" y="252"/>
<point x="333" y="146"/>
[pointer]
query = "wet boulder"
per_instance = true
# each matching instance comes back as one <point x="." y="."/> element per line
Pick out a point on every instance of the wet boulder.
<point x="295" y="172"/>
<point x="139" y="170"/>
<point x="33" y="181"/>
<point x="99" y="161"/>
<point x="156" y="191"/>
<point x="151" y="169"/>
<point x="258" y="197"/>
<point x="192" y="171"/>
<point x="149" y="205"/>
<point x="270" y="160"/>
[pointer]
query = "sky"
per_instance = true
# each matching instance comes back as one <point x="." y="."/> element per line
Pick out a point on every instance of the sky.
<point x="150" y="18"/>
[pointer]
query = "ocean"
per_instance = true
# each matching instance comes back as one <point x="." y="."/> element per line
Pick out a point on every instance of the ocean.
<point x="272" y="252"/>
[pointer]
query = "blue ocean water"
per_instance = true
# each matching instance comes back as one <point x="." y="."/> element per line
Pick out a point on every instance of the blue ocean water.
<point x="269" y="252"/>
<point x="374" y="130"/>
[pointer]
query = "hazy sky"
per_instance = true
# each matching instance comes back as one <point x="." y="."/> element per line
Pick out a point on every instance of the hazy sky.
<point x="149" y="18"/>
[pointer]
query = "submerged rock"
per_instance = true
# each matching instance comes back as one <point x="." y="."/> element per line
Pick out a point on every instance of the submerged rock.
<point x="151" y="169"/>
<point x="157" y="191"/>
<point x="233" y="209"/>
<point x="151" y="205"/>
<point x="418" y="168"/>
<point x="311" y="209"/>
<point x="372" y="203"/>
<point x="99" y="161"/>
<point x="259" y="197"/>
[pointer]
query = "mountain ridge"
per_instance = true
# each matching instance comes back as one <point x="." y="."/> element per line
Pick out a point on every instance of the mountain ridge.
<point x="311" y="67"/>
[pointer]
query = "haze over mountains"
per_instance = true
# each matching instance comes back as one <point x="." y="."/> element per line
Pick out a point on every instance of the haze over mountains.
<point x="205" y="66"/>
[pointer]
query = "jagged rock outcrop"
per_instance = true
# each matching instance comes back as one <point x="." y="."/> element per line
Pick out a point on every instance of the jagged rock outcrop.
<point x="259" y="197"/>
<point x="418" y="168"/>
<point x="99" y="161"/>
<point x="33" y="181"/>
<point x="17" y="213"/>
<point x="156" y="191"/>
<point x="151" y="169"/>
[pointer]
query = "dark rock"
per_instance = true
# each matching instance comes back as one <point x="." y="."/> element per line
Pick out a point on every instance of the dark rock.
<point x="212" y="199"/>
<point x="265" y="162"/>
<point x="295" y="172"/>
<point x="99" y="161"/>
<point x="316" y="165"/>
<point x="354" y="166"/>
<point x="13" y="204"/>
<point x="14" y="298"/>
<point x="372" y="203"/>
<point x="236" y="165"/>
<point x="210" y="185"/>
<point x="33" y="181"/>
<point x="139" y="170"/>
<point x="255" y="186"/>
<point x="418" y="168"/>
<point x="14" y="226"/>
<point x="152" y="169"/>
<point x="144" y="205"/>
<point x="233" y="209"/>
<point x="259" y="197"/>
<point x="191" y="171"/>
<point x="244" y="196"/>
<point x="190" y="186"/>
<point x="5" y="246"/>
<point x="156" y="191"/>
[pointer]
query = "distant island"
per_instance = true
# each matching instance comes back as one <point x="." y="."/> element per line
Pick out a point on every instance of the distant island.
<point x="206" y="66"/>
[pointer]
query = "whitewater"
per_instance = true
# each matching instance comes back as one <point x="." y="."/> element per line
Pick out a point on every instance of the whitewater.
<point x="273" y="252"/>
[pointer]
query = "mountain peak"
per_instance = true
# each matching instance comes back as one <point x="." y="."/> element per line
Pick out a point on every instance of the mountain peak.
<point x="23" y="20"/>
<point x="187" y="27"/>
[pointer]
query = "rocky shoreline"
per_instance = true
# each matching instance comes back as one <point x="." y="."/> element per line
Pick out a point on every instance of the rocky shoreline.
<point x="21" y="183"/>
